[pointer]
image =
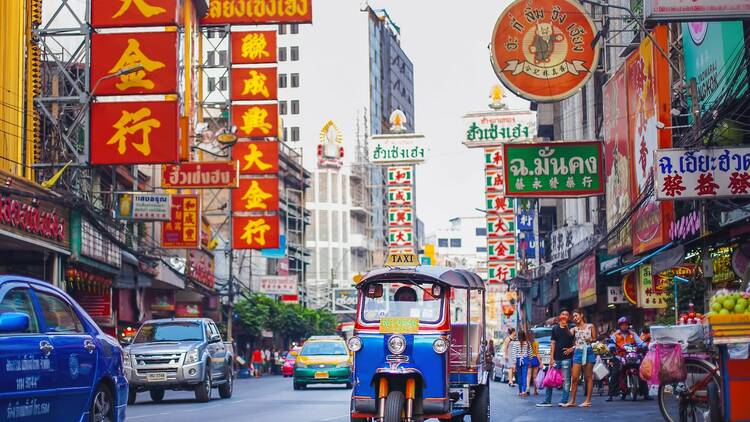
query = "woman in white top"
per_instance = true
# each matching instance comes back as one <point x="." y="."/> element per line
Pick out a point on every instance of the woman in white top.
<point x="583" y="357"/>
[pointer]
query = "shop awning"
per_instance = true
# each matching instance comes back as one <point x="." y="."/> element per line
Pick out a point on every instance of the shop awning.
<point x="631" y="266"/>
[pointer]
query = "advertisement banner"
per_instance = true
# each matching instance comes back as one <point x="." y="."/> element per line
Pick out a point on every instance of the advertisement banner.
<point x="277" y="284"/>
<point x="118" y="13"/>
<point x="225" y="12"/>
<point x="399" y="196"/>
<point x="183" y="229"/>
<point x="494" y="128"/>
<point x="134" y="132"/>
<point x="155" y="52"/>
<point x="695" y="10"/>
<point x="260" y="232"/>
<point x="617" y="156"/>
<point x="400" y="175"/>
<point x="256" y="121"/>
<point x="554" y="169"/>
<point x="261" y="157"/>
<point x="254" y="47"/>
<point x="143" y="206"/>
<point x="200" y="175"/>
<point x="587" y="281"/>
<point x="256" y="195"/>
<point x="187" y="310"/>
<point x="650" y="293"/>
<point x="162" y="300"/>
<point x="257" y="83"/>
<point x="649" y="102"/>
<point x="398" y="149"/>
<point x="400" y="216"/>
<point x="706" y="173"/>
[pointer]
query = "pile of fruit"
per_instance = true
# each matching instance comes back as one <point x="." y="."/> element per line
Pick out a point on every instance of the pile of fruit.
<point x="730" y="302"/>
<point x="691" y="317"/>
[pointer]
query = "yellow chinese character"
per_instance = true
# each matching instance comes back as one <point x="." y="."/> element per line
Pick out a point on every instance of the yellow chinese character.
<point x="255" y="227"/>
<point x="254" y="158"/>
<point x="146" y="9"/>
<point x="133" y="56"/>
<point x="255" y="197"/>
<point x="130" y="124"/>
<point x="254" y="46"/>
<point x="255" y="118"/>
<point x="256" y="84"/>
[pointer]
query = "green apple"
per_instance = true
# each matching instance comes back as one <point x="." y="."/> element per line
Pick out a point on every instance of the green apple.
<point x="738" y="309"/>
<point x="742" y="301"/>
<point x="716" y="306"/>
<point x="728" y="303"/>
<point x="723" y="312"/>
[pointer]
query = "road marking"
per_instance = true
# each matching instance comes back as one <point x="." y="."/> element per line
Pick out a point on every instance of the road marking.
<point x="334" y="418"/>
<point x="147" y="416"/>
<point x="202" y="408"/>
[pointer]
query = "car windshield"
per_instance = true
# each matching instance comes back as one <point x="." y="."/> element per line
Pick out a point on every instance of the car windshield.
<point x="170" y="331"/>
<point x="319" y="348"/>
<point x="403" y="301"/>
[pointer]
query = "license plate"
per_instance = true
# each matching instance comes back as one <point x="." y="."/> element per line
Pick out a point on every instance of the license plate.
<point x="321" y="375"/>
<point x="156" y="377"/>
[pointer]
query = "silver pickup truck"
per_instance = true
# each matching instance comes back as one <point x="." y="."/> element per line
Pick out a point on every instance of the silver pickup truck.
<point x="179" y="354"/>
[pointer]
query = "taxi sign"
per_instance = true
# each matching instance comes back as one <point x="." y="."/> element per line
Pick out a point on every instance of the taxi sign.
<point x="398" y="325"/>
<point x="402" y="260"/>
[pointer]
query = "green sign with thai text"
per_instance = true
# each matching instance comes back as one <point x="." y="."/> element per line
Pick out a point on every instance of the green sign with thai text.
<point x="395" y="325"/>
<point x="554" y="169"/>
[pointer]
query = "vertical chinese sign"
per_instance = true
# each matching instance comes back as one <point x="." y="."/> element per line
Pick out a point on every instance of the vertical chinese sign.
<point x="400" y="180"/>
<point x="183" y="231"/>
<point x="501" y="220"/>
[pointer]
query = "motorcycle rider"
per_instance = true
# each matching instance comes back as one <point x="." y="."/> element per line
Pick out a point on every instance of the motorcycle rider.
<point x="617" y="341"/>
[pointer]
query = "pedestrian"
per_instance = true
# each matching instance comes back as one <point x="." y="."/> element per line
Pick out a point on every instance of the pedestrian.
<point x="522" y="352"/>
<point x="267" y="361"/>
<point x="534" y="362"/>
<point x="275" y="361"/>
<point x="257" y="363"/>
<point x="583" y="358"/>
<point x="561" y="355"/>
<point x="510" y="361"/>
<point x="488" y="363"/>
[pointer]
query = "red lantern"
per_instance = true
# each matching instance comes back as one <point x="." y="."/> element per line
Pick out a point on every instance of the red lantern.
<point x="508" y="310"/>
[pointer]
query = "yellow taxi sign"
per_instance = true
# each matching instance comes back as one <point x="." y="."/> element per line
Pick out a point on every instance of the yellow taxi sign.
<point x="396" y="325"/>
<point x="402" y="260"/>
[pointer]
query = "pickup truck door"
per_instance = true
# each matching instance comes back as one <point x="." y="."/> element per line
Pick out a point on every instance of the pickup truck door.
<point x="217" y="351"/>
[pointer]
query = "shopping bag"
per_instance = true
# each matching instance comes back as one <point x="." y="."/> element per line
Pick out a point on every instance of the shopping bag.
<point x="600" y="370"/>
<point x="553" y="378"/>
<point x="649" y="370"/>
<point x="539" y="381"/>
<point x="672" y="363"/>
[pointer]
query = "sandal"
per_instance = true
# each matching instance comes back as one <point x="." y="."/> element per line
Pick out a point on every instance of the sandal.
<point x="568" y="405"/>
<point x="585" y="404"/>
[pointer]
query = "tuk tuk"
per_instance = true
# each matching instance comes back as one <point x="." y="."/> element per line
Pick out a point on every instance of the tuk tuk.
<point x="419" y="346"/>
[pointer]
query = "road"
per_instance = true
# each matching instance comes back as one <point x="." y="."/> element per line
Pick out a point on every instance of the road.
<point x="272" y="399"/>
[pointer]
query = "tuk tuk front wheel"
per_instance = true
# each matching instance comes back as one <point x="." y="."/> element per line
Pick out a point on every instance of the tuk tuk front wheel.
<point x="480" y="409"/>
<point x="394" y="405"/>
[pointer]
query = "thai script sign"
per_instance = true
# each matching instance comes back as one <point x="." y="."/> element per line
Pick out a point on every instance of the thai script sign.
<point x="563" y="239"/>
<point x="397" y="149"/>
<point x="277" y="285"/>
<point x="344" y="301"/>
<point x="182" y="231"/>
<point x="554" y="169"/>
<point x="222" y="12"/>
<point x="695" y="10"/>
<point x="200" y="175"/>
<point x="44" y="221"/>
<point x="652" y="291"/>
<point x="143" y="206"/>
<point x="706" y="173"/>
<point x="615" y="295"/>
<point x="497" y="127"/>
<point x="544" y="50"/>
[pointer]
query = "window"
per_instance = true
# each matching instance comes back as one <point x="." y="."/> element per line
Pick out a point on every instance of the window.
<point x="18" y="300"/>
<point x="323" y="234"/>
<point x="295" y="80"/>
<point x="345" y="237"/>
<point x="223" y="83"/>
<point x="293" y="53"/>
<point x="282" y="54"/>
<point x="294" y="28"/>
<point x="223" y="58"/>
<point x="282" y="29"/>
<point x="481" y="249"/>
<point x="211" y="58"/>
<point x="295" y="106"/>
<point x="211" y="84"/>
<point x="455" y="243"/>
<point x="282" y="108"/>
<point x="442" y="243"/>
<point x="335" y="190"/>
<point x="286" y="134"/>
<point x="481" y="231"/>
<point x="282" y="80"/>
<point x="58" y="315"/>
<point x="295" y="134"/>
<point x="323" y="187"/>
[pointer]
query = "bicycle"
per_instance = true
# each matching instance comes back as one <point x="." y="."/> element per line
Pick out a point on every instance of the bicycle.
<point x="698" y="398"/>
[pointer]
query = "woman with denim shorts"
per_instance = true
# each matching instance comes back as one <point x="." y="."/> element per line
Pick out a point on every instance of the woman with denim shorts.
<point x="583" y="357"/>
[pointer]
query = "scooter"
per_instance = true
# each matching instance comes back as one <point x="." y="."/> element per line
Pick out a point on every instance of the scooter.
<point x="630" y="382"/>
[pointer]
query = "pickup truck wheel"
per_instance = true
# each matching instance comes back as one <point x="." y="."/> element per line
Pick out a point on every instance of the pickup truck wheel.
<point x="203" y="390"/>
<point x="225" y="390"/>
<point x="156" y="395"/>
<point x="132" y="396"/>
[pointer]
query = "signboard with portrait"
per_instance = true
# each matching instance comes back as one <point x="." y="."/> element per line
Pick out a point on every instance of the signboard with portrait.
<point x="587" y="281"/>
<point x="143" y="206"/>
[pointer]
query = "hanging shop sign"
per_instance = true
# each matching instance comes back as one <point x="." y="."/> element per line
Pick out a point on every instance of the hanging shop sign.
<point x="344" y="301"/>
<point x="200" y="175"/>
<point x="36" y="219"/>
<point x="399" y="196"/>
<point x="257" y="157"/>
<point x="256" y="121"/>
<point x="155" y="52"/>
<point x="187" y="310"/>
<point x="254" y="47"/>
<point x="182" y="231"/>
<point x="554" y="169"/>
<point x="563" y="239"/>
<point x="118" y="13"/>
<point x="497" y="203"/>
<point x="256" y="194"/>
<point x="200" y="267"/>
<point x="256" y="83"/>
<point x="143" y="206"/>
<point x="494" y="181"/>
<point x="494" y="128"/>
<point x="706" y="173"/>
<point x="400" y="216"/>
<point x="134" y="132"/>
<point x="615" y="295"/>
<point x="500" y="271"/>
<point x="400" y="237"/>
<point x="398" y="149"/>
<point x="400" y="175"/>
<point x="501" y="226"/>
<point x="256" y="12"/>
<point x="686" y="227"/>
<point x="544" y="50"/>
<point x="493" y="158"/>
<point x="277" y="285"/>
<point x="257" y="232"/>
<point x="630" y="288"/>
<point x="652" y="291"/>
<point x="587" y="281"/>
<point x="501" y="249"/>
<point x="695" y="10"/>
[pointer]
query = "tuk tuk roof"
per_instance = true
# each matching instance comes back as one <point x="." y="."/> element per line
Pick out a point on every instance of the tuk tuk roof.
<point x="452" y="277"/>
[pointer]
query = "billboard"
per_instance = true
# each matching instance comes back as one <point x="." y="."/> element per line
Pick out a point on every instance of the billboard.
<point x="344" y="301"/>
<point x="707" y="173"/>
<point x="254" y="47"/>
<point x="224" y="12"/>
<point x="200" y="175"/>
<point x="143" y="206"/>
<point x="493" y="128"/>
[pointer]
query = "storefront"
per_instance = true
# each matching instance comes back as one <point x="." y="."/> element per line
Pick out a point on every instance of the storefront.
<point x="129" y="286"/>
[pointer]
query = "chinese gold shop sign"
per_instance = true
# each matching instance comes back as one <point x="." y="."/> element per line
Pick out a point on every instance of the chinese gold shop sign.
<point x="541" y="49"/>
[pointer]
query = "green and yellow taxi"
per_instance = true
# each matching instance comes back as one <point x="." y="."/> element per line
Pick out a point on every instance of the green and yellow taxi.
<point x="323" y="360"/>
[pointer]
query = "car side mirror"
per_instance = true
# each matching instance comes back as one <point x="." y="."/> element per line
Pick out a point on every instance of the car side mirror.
<point x="14" y="322"/>
<point x="216" y="338"/>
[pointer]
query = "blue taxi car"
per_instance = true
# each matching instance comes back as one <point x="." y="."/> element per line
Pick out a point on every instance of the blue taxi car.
<point x="55" y="362"/>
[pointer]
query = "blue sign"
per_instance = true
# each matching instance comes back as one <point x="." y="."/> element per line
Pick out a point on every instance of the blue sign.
<point x="279" y="253"/>
<point x="530" y="242"/>
<point x="525" y="220"/>
<point x="425" y="260"/>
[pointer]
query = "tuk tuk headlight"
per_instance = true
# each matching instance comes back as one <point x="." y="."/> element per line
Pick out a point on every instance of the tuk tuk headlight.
<point x="440" y="345"/>
<point x="354" y="344"/>
<point x="397" y="344"/>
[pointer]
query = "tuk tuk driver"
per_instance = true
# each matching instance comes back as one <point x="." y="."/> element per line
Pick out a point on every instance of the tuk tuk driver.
<point x="405" y="294"/>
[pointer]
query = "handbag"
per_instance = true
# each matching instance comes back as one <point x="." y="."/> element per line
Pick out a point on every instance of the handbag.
<point x="600" y="370"/>
<point x="553" y="378"/>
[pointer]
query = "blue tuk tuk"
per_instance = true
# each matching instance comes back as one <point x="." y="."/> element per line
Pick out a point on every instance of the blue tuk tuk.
<point x="419" y="346"/>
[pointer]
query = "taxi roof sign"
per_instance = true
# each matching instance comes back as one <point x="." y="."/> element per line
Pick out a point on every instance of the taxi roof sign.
<point x="402" y="260"/>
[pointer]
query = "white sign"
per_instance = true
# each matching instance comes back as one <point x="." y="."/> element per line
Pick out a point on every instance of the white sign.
<point x="344" y="301"/>
<point x="563" y="240"/>
<point x="695" y="10"/>
<point x="615" y="295"/>
<point x="398" y="149"/>
<point x="706" y="173"/>
<point x="143" y="206"/>
<point x="277" y="285"/>
<point x="495" y="128"/>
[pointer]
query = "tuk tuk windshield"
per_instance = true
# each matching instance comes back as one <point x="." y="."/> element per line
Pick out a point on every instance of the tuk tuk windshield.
<point x="403" y="301"/>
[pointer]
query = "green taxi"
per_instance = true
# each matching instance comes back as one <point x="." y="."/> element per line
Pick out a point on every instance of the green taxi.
<point x="323" y="360"/>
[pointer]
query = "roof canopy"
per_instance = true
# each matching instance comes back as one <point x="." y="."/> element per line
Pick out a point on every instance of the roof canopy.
<point x="453" y="277"/>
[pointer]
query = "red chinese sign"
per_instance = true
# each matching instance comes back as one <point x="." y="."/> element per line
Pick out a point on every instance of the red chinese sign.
<point x="256" y="120"/>
<point x="154" y="52"/>
<point x="254" y="47"/>
<point x="183" y="230"/>
<point x="134" y="132"/>
<point x="257" y="83"/>
<point x="257" y="157"/>
<point x="256" y="195"/>
<point x="223" y="12"/>
<point x="120" y="13"/>
<point x="261" y="232"/>
<point x="200" y="267"/>
<point x="200" y="175"/>
<point x="541" y="49"/>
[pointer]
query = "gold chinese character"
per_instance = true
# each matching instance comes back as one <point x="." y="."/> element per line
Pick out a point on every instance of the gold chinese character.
<point x="255" y="227"/>
<point x="254" y="158"/>
<point x="256" y="197"/>
<point x="133" y="56"/>
<point x="255" y="118"/>
<point x="256" y="84"/>
<point x="146" y="9"/>
<point x="254" y="46"/>
<point x="130" y="124"/>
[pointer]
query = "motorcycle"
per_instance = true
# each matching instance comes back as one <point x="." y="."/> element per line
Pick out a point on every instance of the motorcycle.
<point x="630" y="382"/>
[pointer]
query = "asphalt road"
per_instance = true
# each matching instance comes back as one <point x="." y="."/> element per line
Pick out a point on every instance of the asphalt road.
<point x="273" y="399"/>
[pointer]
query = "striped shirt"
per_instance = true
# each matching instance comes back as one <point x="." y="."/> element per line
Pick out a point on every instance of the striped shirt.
<point x="521" y="350"/>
